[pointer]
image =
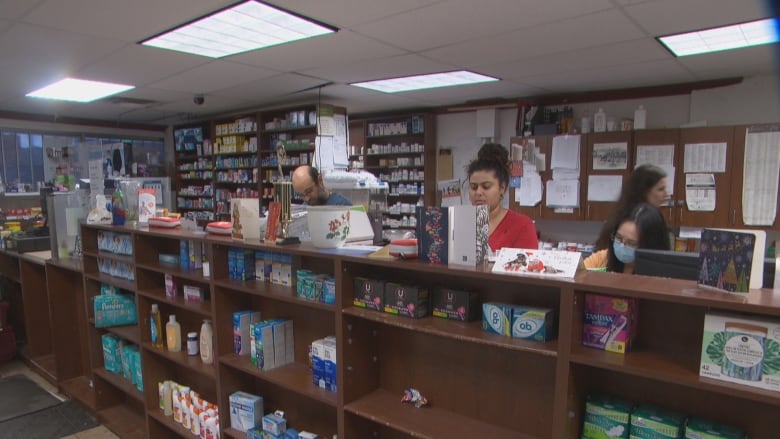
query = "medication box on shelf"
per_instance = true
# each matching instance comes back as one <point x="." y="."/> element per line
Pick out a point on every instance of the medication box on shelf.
<point x="455" y="304"/>
<point x="274" y="423"/>
<point x="741" y="350"/>
<point x="609" y="322"/>
<point x="241" y="338"/>
<point x="246" y="410"/>
<point x="194" y="294"/>
<point x="406" y="300"/>
<point x="369" y="293"/>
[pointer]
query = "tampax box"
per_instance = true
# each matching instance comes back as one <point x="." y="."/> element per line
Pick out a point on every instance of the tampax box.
<point x="241" y="334"/>
<point x="533" y="323"/>
<point x="170" y="286"/>
<point x="194" y="294"/>
<point x="455" y="304"/>
<point x="609" y="322"/>
<point x="497" y="318"/>
<point x="369" y="293"/>
<point x="246" y="411"/>
<point x="741" y="350"/>
<point x="406" y="300"/>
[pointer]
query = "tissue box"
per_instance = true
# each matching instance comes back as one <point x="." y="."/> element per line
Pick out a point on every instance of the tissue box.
<point x="737" y="348"/>
<point x="114" y="310"/>
<point x="609" y="322"/>
<point x="406" y="300"/>
<point x="455" y="304"/>
<point x="533" y="323"/>
<point x="369" y="293"/>
<point x="245" y="410"/>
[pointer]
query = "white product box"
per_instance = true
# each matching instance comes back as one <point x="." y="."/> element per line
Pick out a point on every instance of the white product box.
<point x="246" y="411"/>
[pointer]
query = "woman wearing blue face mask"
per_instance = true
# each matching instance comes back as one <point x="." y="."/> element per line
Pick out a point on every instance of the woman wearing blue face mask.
<point x="643" y="227"/>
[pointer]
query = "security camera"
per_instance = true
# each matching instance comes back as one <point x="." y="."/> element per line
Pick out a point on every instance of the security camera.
<point x="198" y="99"/>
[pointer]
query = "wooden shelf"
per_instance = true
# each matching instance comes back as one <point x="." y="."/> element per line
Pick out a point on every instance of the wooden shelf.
<point x="395" y="136"/>
<point x="81" y="390"/>
<point x="233" y="433"/>
<point x="470" y="332"/>
<point x="131" y="333"/>
<point x="118" y="282"/>
<point x="45" y="365"/>
<point x="386" y="408"/>
<point x="120" y="383"/>
<point x="112" y="256"/>
<point x="667" y="369"/>
<point x="296" y="377"/>
<point x="169" y="423"/>
<point x="203" y="308"/>
<point x="193" y="363"/>
<point x="124" y="421"/>
<point x="288" y="129"/>
<point x="176" y="270"/>
<point x="272" y="291"/>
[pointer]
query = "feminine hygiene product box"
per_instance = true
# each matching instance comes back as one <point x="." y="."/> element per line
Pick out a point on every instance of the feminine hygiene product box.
<point x="697" y="428"/>
<point x="609" y="322"/>
<point x="406" y="300"/>
<point x="649" y="422"/>
<point x="454" y="304"/>
<point x="606" y="417"/>
<point x="246" y="411"/>
<point x="369" y="293"/>
<point x="533" y="323"/>
<point x="741" y="350"/>
<point x="497" y="318"/>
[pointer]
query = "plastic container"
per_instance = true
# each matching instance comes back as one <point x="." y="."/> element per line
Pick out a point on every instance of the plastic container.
<point x="173" y="334"/>
<point x="156" y="327"/>
<point x="600" y="121"/>
<point x="206" y="342"/>
<point x="192" y="343"/>
<point x="640" y="118"/>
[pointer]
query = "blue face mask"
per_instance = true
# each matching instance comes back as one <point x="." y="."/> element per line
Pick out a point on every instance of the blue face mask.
<point x="623" y="253"/>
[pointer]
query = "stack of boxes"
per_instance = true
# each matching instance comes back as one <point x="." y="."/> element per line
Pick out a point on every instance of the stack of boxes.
<point x="122" y="358"/>
<point x="323" y="363"/>
<point x="272" y="343"/>
<point x="536" y="324"/>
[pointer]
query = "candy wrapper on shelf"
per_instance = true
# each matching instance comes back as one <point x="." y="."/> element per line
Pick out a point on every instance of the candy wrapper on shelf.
<point x="413" y="396"/>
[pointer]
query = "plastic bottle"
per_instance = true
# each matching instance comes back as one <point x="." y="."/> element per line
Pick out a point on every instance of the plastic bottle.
<point x="640" y="118"/>
<point x="585" y="123"/>
<point x="600" y="121"/>
<point x="176" y="405"/>
<point x="192" y="343"/>
<point x="155" y="325"/>
<point x="173" y="334"/>
<point x="206" y="342"/>
<point x="167" y="399"/>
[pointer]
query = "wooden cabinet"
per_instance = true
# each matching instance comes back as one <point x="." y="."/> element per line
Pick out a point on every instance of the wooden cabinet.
<point x="661" y="137"/>
<point x="602" y="210"/>
<point x="401" y="150"/>
<point x="736" y="181"/>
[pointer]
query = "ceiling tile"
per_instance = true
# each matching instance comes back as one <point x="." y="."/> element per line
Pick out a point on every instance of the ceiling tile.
<point x="271" y="87"/>
<point x="664" y="17"/>
<point x="15" y="9"/>
<point x="347" y="13"/>
<point x="141" y="65"/>
<point x="212" y="76"/>
<point x="391" y="67"/>
<point x="751" y="61"/>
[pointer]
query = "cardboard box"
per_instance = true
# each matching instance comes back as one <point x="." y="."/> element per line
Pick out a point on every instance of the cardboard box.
<point x="406" y="300"/>
<point x="241" y="335"/>
<point x="455" y="304"/>
<point x="246" y="411"/>
<point x="194" y="294"/>
<point x="736" y="348"/>
<point x="274" y="423"/>
<point x="497" y="318"/>
<point x="369" y="293"/>
<point x="533" y="323"/>
<point x="609" y="322"/>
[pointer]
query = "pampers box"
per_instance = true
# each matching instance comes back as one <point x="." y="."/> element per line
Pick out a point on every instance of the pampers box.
<point x="606" y="418"/>
<point x="533" y="323"/>
<point x="741" y="350"/>
<point x="609" y="322"/>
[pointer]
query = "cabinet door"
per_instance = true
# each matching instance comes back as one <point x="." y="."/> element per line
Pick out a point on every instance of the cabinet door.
<point x="609" y="155"/>
<point x="659" y="137"/>
<point x="542" y="143"/>
<point x="737" y="174"/>
<point x="720" y="217"/>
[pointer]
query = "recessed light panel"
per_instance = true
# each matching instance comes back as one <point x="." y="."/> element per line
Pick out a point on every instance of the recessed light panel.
<point x="718" y="39"/>
<point x="247" y="26"/>
<point x="421" y="82"/>
<point x="79" y="90"/>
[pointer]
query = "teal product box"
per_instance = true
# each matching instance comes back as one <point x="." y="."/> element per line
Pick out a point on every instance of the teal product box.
<point x="698" y="428"/>
<point x="111" y="356"/>
<point x="497" y="318"/>
<point x="454" y="304"/>
<point x="329" y="290"/>
<point x="166" y="258"/>
<point x="406" y="300"/>
<point x="606" y="418"/>
<point x="138" y="376"/>
<point x="303" y="284"/>
<point x="184" y="254"/>
<point x="649" y="422"/>
<point x="274" y="423"/>
<point x="241" y="335"/>
<point x="246" y="411"/>
<point x="369" y="293"/>
<point x="254" y="433"/>
<point x="533" y="323"/>
<point x="115" y="310"/>
<point x="108" y="290"/>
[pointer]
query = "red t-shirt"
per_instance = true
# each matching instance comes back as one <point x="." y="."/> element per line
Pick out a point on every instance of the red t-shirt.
<point x="514" y="231"/>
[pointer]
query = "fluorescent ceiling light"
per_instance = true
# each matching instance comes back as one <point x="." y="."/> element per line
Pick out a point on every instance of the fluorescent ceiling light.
<point x="420" y="82"/>
<point x="247" y="26"/>
<point x="718" y="39"/>
<point x="79" y="90"/>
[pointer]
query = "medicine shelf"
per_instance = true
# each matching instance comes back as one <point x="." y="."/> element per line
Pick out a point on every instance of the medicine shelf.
<point x="295" y="377"/>
<point x="168" y="422"/>
<point x="272" y="291"/>
<point x="192" y="362"/>
<point x="120" y="383"/>
<point x="118" y="282"/>
<point x="202" y="308"/>
<point x="130" y="333"/>
<point x="124" y="421"/>
<point x="176" y="270"/>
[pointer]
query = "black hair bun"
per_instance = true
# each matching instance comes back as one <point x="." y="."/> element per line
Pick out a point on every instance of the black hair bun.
<point x="494" y="152"/>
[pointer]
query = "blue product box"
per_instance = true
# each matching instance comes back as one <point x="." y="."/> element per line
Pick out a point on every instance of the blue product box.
<point x="115" y="310"/>
<point x="318" y="363"/>
<point x="254" y="433"/>
<point x="330" y="365"/>
<point x="111" y="360"/>
<point x="329" y="290"/>
<point x="497" y="318"/>
<point x="533" y="323"/>
<point x="184" y="255"/>
<point x="274" y="423"/>
<point x="241" y="335"/>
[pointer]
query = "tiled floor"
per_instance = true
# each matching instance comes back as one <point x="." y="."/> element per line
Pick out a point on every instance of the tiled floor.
<point x="17" y="367"/>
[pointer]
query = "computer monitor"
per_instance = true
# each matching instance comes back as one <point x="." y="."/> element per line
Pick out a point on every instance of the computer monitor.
<point x="679" y="265"/>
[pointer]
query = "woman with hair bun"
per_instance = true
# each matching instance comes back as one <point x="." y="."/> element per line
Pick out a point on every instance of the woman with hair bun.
<point x="488" y="181"/>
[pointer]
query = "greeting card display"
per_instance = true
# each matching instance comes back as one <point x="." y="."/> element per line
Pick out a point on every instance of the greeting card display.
<point x="432" y="234"/>
<point x="545" y="263"/>
<point x="469" y="230"/>
<point x="245" y="217"/>
<point x="731" y="260"/>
